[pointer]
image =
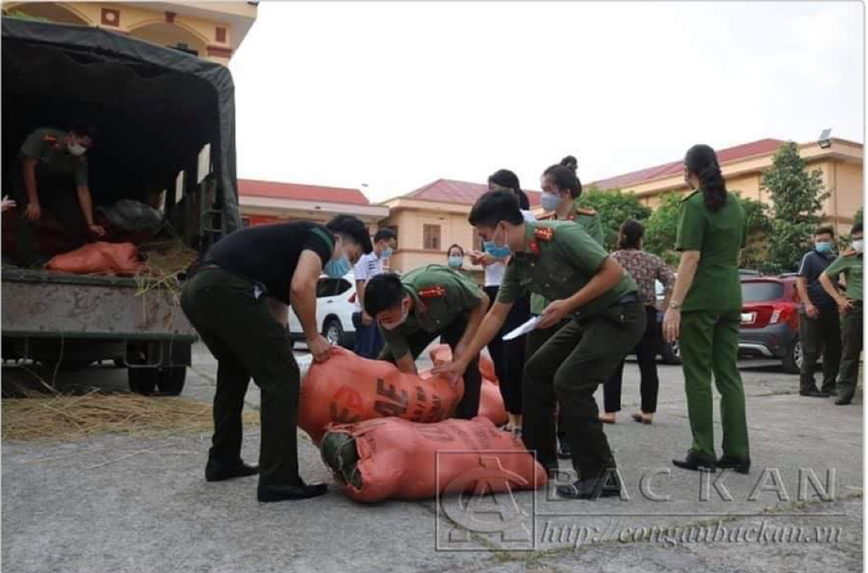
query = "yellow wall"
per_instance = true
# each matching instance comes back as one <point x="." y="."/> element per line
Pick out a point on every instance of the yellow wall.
<point x="200" y="34"/>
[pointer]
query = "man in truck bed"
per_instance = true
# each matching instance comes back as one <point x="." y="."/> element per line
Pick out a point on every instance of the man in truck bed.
<point x="51" y="163"/>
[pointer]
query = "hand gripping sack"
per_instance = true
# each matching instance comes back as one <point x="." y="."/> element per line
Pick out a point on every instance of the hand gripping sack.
<point x="348" y="388"/>
<point x="490" y="399"/>
<point x="99" y="258"/>
<point x="393" y="458"/>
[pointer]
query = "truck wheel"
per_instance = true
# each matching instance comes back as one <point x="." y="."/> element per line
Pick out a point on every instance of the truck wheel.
<point x="142" y="380"/>
<point x="792" y="362"/>
<point x="670" y="353"/>
<point x="171" y="380"/>
<point x="332" y="331"/>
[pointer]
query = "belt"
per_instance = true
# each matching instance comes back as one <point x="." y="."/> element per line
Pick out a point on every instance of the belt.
<point x="628" y="299"/>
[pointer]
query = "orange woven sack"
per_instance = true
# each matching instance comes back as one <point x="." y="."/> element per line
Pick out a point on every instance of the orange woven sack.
<point x="392" y="458"/>
<point x="96" y="258"/>
<point x="490" y="400"/>
<point x="348" y="388"/>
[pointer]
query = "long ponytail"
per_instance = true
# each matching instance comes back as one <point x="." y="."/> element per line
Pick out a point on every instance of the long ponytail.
<point x="702" y="162"/>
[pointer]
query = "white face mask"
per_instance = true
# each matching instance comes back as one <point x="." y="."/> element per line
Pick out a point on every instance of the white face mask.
<point x="859" y="245"/>
<point x="76" y="149"/>
<point x="405" y="312"/>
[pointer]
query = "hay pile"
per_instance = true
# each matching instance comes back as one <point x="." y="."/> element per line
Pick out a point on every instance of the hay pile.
<point x="163" y="262"/>
<point x="72" y="418"/>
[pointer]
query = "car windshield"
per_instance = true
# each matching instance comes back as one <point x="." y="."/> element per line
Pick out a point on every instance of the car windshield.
<point x="761" y="291"/>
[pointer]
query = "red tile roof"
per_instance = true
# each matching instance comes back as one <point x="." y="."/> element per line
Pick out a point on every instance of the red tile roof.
<point x="254" y="188"/>
<point x="463" y="192"/>
<point x="743" y="151"/>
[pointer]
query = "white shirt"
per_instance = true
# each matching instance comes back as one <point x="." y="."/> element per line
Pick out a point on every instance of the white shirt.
<point x="369" y="266"/>
<point x="494" y="272"/>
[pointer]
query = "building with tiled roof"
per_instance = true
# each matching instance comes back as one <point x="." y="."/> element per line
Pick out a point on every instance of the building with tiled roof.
<point x="742" y="167"/>
<point x="433" y="217"/>
<point x="270" y="202"/>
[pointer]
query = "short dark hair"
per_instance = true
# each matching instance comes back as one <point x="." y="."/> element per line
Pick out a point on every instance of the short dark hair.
<point x="494" y="207"/>
<point x="508" y="179"/>
<point x="857" y="228"/>
<point x="83" y="128"/>
<point x="825" y="230"/>
<point x="384" y="235"/>
<point x="384" y="291"/>
<point x="563" y="175"/>
<point x="632" y="231"/>
<point x="352" y="228"/>
<point x="455" y="246"/>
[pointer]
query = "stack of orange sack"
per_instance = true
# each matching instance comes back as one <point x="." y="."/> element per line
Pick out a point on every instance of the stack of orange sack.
<point x="380" y="430"/>
<point x="99" y="258"/>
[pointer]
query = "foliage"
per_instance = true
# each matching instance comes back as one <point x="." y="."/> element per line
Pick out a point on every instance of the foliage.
<point x="661" y="228"/>
<point x="798" y="198"/>
<point x="614" y="208"/>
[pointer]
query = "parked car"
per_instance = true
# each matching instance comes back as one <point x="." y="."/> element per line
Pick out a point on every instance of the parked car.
<point x="335" y="305"/>
<point x="670" y="352"/>
<point x="770" y="320"/>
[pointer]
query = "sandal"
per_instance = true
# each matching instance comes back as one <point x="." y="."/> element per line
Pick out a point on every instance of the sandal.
<point x="642" y="418"/>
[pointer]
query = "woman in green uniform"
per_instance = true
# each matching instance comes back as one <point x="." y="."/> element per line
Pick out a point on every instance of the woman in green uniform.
<point x="561" y="189"/>
<point x="705" y="312"/>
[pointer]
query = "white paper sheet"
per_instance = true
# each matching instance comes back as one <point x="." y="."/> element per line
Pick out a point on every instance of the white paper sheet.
<point x="523" y="329"/>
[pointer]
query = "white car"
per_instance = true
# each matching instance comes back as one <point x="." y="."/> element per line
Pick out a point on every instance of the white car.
<point x="335" y="305"/>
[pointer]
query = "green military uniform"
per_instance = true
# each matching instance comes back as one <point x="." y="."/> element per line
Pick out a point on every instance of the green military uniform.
<point x="850" y="265"/>
<point x="561" y="259"/>
<point x="710" y="321"/>
<point x="442" y="301"/>
<point x="58" y="173"/>
<point x="589" y="220"/>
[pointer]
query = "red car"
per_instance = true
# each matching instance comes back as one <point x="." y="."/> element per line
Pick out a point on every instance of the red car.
<point x="770" y="320"/>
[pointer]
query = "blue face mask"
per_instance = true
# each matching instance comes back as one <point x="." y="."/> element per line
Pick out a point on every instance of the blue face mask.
<point x="496" y="251"/>
<point x="455" y="261"/>
<point x="387" y="252"/>
<point x="337" y="269"/>
<point x="823" y="247"/>
<point x="550" y="201"/>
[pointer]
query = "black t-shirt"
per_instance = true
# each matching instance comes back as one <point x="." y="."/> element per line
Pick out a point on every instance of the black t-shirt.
<point x="813" y="265"/>
<point x="268" y="254"/>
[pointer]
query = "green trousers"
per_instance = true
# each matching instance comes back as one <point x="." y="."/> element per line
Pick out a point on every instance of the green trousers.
<point x="709" y="345"/>
<point x="851" y="334"/>
<point x="246" y="339"/>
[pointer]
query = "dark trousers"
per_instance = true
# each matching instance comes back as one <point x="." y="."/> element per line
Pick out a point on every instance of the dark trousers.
<point x="246" y="339"/>
<point x="418" y="341"/>
<point x="851" y="330"/>
<point x="509" y="355"/>
<point x="369" y="340"/>
<point x="58" y="196"/>
<point x="566" y="371"/>
<point x="646" y="354"/>
<point x="535" y="340"/>
<point x="821" y="335"/>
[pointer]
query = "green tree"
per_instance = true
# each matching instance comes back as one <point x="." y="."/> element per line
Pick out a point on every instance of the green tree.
<point x="798" y="202"/>
<point x="614" y="208"/>
<point x="661" y="228"/>
<point x="759" y="226"/>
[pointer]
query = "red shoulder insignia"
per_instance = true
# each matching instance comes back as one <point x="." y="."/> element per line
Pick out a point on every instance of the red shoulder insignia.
<point x="433" y="292"/>
<point x="533" y="247"/>
<point x="544" y="233"/>
<point x="586" y="212"/>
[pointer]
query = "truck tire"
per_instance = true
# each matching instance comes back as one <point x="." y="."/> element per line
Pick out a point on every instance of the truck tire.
<point x="142" y="380"/>
<point x="670" y="353"/>
<point x="170" y="381"/>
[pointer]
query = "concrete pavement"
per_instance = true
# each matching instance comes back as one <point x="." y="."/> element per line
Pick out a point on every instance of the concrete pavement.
<point x="116" y="504"/>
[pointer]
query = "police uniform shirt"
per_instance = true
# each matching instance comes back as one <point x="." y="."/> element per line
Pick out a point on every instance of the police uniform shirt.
<point x="440" y="295"/>
<point x="850" y="264"/>
<point x="561" y="259"/>
<point x="48" y="147"/>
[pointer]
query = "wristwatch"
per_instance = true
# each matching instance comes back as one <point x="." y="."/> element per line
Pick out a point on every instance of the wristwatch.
<point x="674" y="305"/>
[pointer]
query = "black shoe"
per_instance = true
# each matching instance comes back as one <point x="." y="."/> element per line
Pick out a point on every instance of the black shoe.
<point x="696" y="463"/>
<point x="843" y="401"/>
<point x="830" y="391"/>
<point x="739" y="465"/>
<point x="564" y="451"/>
<point x="219" y="471"/>
<point x="812" y="393"/>
<point x="592" y="489"/>
<point x="268" y="493"/>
